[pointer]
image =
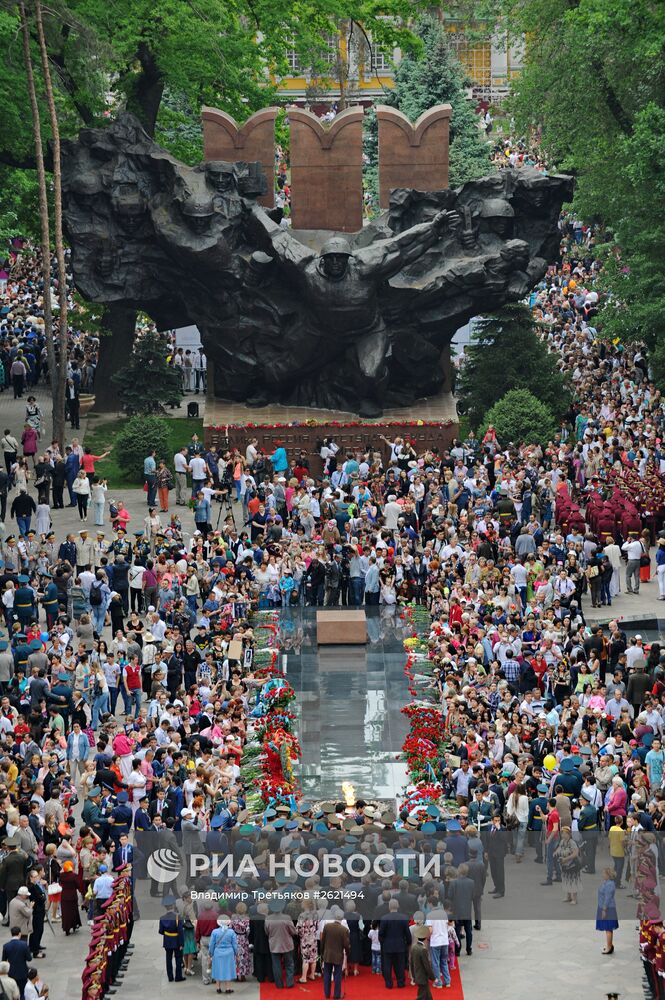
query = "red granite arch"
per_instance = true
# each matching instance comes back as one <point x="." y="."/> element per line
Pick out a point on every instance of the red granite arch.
<point x="224" y="139"/>
<point x="413" y="155"/>
<point x="326" y="171"/>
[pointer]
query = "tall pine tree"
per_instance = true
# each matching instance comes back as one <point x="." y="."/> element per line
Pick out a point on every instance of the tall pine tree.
<point x="148" y="383"/>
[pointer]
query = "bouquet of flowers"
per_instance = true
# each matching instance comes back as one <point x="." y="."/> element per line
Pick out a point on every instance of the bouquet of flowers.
<point x="279" y="696"/>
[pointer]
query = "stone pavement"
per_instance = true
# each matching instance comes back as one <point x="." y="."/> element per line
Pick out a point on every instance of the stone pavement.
<point x="644" y="606"/>
<point x="511" y="958"/>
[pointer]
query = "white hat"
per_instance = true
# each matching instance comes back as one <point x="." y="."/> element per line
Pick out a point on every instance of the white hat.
<point x="186" y="812"/>
<point x="23" y="891"/>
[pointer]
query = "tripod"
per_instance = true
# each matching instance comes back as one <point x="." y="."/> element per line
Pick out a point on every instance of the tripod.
<point x="225" y="507"/>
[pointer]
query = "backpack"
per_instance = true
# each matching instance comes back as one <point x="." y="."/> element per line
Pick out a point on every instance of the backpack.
<point x="95" y="595"/>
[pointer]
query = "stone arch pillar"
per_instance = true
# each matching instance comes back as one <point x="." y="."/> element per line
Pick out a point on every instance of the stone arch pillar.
<point x="326" y="171"/>
<point x="413" y="156"/>
<point x="224" y="139"/>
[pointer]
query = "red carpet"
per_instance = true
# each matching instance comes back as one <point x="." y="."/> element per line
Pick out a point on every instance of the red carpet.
<point x="362" y="987"/>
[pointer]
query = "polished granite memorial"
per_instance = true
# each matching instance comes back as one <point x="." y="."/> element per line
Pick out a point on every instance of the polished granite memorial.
<point x="349" y="700"/>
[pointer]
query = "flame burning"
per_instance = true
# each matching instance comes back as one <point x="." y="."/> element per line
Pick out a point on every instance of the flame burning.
<point x="349" y="793"/>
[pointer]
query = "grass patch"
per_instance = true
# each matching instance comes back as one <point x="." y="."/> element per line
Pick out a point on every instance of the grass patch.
<point x="101" y="434"/>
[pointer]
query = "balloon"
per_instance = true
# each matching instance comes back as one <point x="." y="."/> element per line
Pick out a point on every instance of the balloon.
<point x="549" y="762"/>
<point x="44" y="636"/>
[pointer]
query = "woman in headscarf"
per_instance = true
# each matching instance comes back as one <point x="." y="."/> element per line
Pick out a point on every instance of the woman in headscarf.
<point x="222" y="948"/>
<point x="69" y="902"/>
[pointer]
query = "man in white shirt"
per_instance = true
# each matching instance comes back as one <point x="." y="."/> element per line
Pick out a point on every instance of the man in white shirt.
<point x="635" y="652"/>
<point x="392" y="511"/>
<point x="199" y="471"/>
<point x="633" y="549"/>
<point x="180" y="465"/>
<point x="251" y="453"/>
<point x="437" y="920"/>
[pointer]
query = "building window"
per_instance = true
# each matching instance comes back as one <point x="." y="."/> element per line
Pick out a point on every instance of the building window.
<point x="330" y="54"/>
<point x="293" y="62"/>
<point x="476" y="58"/>
<point x="377" y="61"/>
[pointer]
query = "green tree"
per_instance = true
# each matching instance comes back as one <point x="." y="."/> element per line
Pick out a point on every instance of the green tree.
<point x="138" y="437"/>
<point x="434" y="75"/>
<point x="506" y="352"/>
<point x="148" y="382"/>
<point x="520" y="418"/>
<point x="611" y="55"/>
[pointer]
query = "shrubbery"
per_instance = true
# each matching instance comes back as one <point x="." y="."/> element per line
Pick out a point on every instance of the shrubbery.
<point x="521" y="418"/>
<point x="136" y="440"/>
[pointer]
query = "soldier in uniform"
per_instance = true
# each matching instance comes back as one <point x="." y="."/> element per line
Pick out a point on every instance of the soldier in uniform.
<point x="49" y="546"/>
<point x="93" y="815"/>
<point x="569" y="777"/>
<point x="141" y="550"/>
<point x="121" y="814"/>
<point x="173" y="939"/>
<point x="101" y="549"/>
<point x="11" y="555"/>
<point x="420" y="965"/>
<point x="50" y="600"/>
<point x="24" y="602"/>
<point x="21" y="652"/>
<point x="6" y="666"/>
<point x="120" y="546"/>
<point x="32" y="546"/>
<point x="161" y="544"/>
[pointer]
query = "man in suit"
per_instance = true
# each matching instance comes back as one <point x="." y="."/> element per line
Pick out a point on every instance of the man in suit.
<point x="335" y="943"/>
<point x="460" y="894"/>
<point x="420" y="965"/>
<point x="124" y="853"/>
<point x="478" y="873"/>
<point x="395" y="940"/>
<point x="18" y="954"/>
<point x="173" y="939"/>
<point x="13" y="868"/>
<point x="407" y="902"/>
<point x="496" y="853"/>
<point x="281" y="932"/>
<point x="160" y="806"/>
